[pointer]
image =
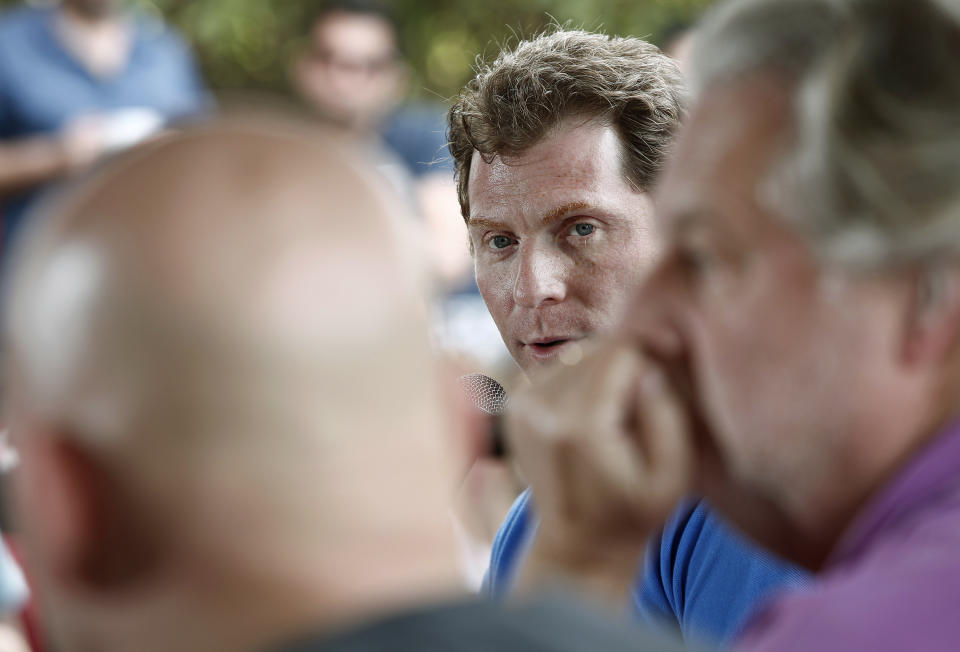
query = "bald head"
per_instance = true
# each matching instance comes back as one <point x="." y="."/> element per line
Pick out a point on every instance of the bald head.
<point x="228" y="322"/>
<point x="232" y="246"/>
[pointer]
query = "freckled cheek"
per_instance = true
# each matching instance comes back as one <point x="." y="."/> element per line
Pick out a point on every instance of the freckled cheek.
<point x="496" y="288"/>
<point x="625" y="271"/>
<point x="596" y="288"/>
<point x="608" y="288"/>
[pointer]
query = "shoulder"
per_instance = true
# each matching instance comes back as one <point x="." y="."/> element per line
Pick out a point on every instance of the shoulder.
<point x="158" y="34"/>
<point x="20" y="31"/>
<point x="891" y="599"/>
<point x="854" y="619"/>
<point x="696" y="538"/>
<point x="17" y="25"/>
<point x="16" y="18"/>
<point x="708" y="577"/>
<point x="698" y="543"/>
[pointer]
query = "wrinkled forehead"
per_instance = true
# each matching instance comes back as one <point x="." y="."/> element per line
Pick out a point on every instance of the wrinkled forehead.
<point x="574" y="156"/>
<point x="735" y="134"/>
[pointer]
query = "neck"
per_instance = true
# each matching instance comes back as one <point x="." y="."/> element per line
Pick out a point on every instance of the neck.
<point x="885" y="448"/>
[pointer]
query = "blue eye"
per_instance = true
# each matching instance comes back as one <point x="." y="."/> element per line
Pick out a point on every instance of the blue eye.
<point x="584" y="228"/>
<point x="501" y="242"/>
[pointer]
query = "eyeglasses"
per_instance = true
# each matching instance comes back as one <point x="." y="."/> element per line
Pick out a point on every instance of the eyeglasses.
<point x="369" y="67"/>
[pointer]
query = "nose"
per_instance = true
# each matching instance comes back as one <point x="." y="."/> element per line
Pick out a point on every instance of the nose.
<point x="541" y="277"/>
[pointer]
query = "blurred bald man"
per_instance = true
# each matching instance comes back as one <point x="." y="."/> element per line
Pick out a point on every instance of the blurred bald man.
<point x="228" y="415"/>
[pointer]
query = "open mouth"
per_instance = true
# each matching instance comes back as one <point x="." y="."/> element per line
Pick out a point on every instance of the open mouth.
<point x="680" y="376"/>
<point x="546" y="346"/>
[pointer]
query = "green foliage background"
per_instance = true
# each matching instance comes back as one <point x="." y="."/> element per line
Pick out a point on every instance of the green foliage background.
<point x="244" y="44"/>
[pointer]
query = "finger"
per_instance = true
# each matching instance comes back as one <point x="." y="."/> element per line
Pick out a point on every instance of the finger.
<point x="609" y="367"/>
<point x="667" y="434"/>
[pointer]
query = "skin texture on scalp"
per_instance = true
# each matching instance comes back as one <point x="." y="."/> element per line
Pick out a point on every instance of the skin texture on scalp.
<point x="218" y="343"/>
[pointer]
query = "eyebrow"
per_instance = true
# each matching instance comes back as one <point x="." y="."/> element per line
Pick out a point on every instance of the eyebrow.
<point x="561" y="211"/>
<point x="548" y="218"/>
<point x="486" y="223"/>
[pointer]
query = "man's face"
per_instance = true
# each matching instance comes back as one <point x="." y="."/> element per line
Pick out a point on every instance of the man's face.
<point x="560" y="239"/>
<point x="95" y="8"/>
<point x="350" y="71"/>
<point x="783" y="357"/>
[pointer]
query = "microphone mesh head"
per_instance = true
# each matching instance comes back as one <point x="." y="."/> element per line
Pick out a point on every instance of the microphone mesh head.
<point x="484" y="392"/>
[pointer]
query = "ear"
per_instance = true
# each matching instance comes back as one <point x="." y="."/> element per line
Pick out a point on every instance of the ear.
<point x="933" y="322"/>
<point x="54" y="503"/>
<point x="80" y="526"/>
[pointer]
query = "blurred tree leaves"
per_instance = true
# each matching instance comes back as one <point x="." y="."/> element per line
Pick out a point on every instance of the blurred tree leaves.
<point x="245" y="44"/>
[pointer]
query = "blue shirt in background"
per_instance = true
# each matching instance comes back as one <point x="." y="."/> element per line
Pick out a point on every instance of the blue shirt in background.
<point x="417" y="133"/>
<point x="43" y="87"/>
<point x="699" y="576"/>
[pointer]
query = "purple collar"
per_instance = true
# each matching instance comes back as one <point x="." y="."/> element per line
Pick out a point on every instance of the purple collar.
<point x="932" y="472"/>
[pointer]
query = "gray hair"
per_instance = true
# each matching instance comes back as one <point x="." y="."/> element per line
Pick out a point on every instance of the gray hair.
<point x="872" y="176"/>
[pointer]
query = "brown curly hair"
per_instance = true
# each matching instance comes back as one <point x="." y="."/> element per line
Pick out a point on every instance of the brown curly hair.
<point x="514" y="102"/>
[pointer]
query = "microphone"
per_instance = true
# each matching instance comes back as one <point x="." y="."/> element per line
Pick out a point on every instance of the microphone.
<point x="488" y="396"/>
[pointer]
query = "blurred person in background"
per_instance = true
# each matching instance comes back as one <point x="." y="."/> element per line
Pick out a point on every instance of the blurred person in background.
<point x="79" y="80"/>
<point x="557" y="144"/>
<point x="229" y="418"/>
<point x="799" y="338"/>
<point x="352" y="72"/>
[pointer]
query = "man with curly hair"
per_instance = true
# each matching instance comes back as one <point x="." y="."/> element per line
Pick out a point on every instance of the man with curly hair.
<point x="556" y="145"/>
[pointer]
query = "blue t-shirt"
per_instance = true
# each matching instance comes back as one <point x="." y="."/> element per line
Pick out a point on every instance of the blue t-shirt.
<point x="699" y="576"/>
<point x="417" y="133"/>
<point x="43" y="87"/>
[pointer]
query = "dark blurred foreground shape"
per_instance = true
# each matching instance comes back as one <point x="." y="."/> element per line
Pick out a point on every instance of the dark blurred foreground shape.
<point x="229" y="416"/>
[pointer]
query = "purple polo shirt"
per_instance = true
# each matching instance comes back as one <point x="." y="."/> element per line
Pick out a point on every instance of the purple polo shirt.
<point x="893" y="582"/>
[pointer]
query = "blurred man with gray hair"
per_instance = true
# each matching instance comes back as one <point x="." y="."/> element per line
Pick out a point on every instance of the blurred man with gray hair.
<point x="798" y="344"/>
